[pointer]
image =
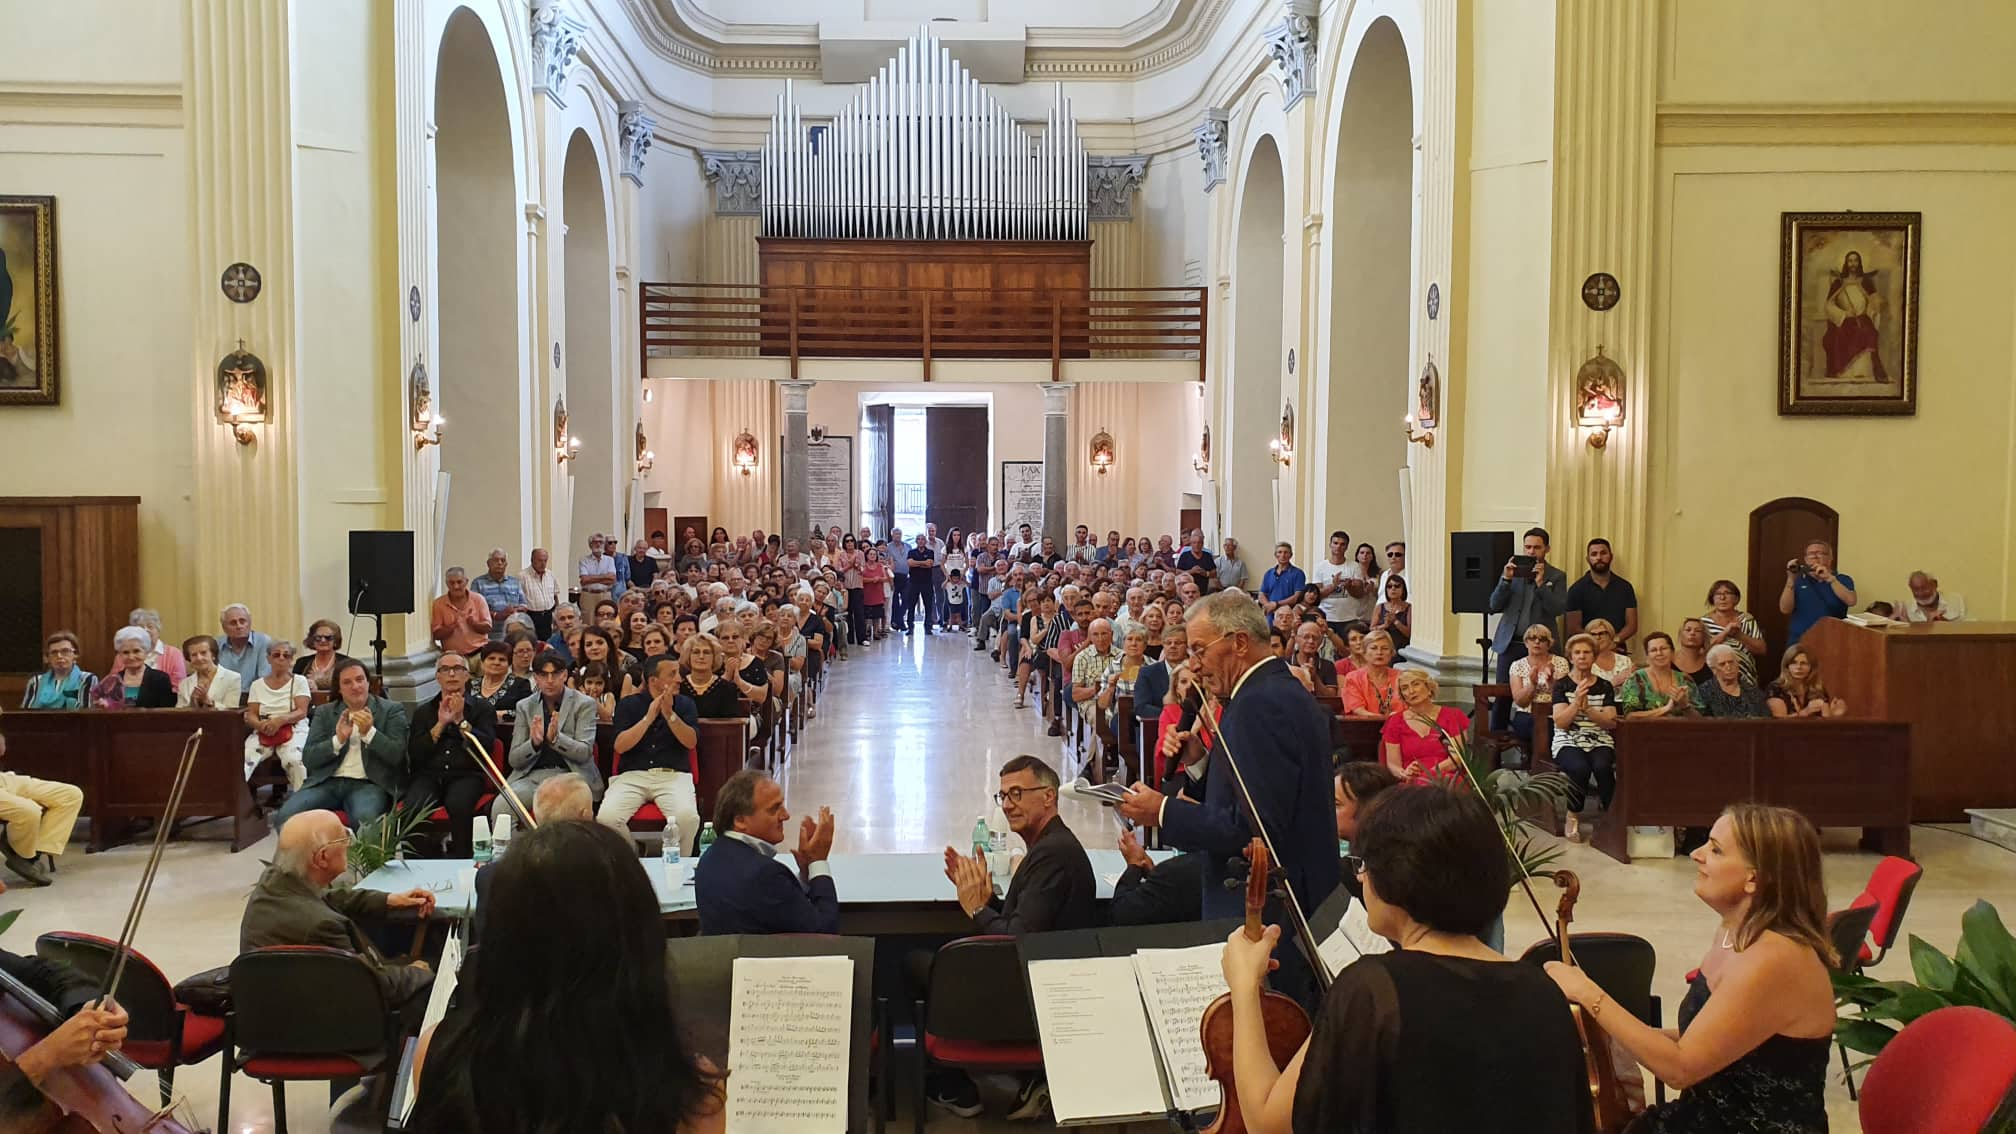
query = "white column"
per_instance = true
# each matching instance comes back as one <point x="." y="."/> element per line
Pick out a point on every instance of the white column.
<point x="797" y="503"/>
<point x="1056" y="461"/>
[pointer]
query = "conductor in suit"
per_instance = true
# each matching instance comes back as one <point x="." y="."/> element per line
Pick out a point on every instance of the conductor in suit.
<point x="741" y="886"/>
<point x="1534" y="596"/>
<point x="1278" y="736"/>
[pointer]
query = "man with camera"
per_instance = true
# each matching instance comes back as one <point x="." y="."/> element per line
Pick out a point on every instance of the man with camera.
<point x="1813" y="591"/>
<point x="1531" y="593"/>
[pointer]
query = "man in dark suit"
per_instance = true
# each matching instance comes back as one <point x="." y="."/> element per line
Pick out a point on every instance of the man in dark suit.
<point x="1533" y="597"/>
<point x="1152" y="893"/>
<point x="293" y="905"/>
<point x="740" y="886"/>
<point x="1278" y="736"/>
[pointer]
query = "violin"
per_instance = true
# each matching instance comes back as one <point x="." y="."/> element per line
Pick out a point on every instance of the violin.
<point x="1285" y="1023"/>
<point x="1606" y="1090"/>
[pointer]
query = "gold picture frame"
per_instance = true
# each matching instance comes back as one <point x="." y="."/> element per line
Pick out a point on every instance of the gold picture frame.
<point x="30" y="351"/>
<point x="1848" y="313"/>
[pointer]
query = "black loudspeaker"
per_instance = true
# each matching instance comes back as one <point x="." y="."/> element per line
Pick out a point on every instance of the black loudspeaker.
<point x="1476" y="563"/>
<point x="381" y="572"/>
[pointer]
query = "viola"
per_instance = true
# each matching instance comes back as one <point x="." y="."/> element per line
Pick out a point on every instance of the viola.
<point x="1606" y="1091"/>
<point x="1285" y="1023"/>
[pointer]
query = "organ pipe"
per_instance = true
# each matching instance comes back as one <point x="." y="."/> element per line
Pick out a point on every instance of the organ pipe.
<point x="923" y="152"/>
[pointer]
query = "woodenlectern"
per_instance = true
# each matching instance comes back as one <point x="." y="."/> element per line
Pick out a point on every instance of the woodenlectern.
<point x="1953" y="682"/>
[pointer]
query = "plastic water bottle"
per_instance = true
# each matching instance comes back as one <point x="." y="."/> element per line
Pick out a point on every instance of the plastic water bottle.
<point x="706" y="839"/>
<point x="1343" y="848"/>
<point x="670" y="843"/>
<point x="481" y="833"/>
<point x="983" y="838"/>
<point x="997" y="849"/>
<point x="500" y="837"/>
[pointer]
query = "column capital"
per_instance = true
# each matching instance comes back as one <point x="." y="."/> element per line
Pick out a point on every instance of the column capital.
<point x="1057" y="398"/>
<point x="555" y="36"/>
<point x="1213" y="135"/>
<point x="737" y="176"/>
<point x="1111" y="183"/>
<point x="633" y="127"/>
<point x="1292" y="45"/>
<point x="795" y="394"/>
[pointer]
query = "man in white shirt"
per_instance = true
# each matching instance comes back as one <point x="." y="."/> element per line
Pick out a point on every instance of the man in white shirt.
<point x="658" y="550"/>
<point x="1929" y="604"/>
<point x="596" y="572"/>
<point x="794" y="560"/>
<point x="1082" y="548"/>
<point x="542" y="592"/>
<point x="1347" y="593"/>
<point x="1137" y="602"/>
<point x="1025" y="542"/>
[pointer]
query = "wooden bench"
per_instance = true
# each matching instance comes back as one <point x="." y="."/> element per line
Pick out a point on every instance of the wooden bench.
<point x="1837" y="773"/>
<point x="126" y="760"/>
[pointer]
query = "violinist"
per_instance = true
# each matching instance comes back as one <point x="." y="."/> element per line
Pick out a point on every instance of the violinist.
<point x="83" y="1039"/>
<point x="1751" y="1053"/>
<point x="1396" y="1026"/>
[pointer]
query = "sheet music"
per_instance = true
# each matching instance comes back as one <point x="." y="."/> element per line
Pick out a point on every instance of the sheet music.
<point x="1097" y="1050"/>
<point x="1177" y="985"/>
<point x="438" y="997"/>
<point x="1354" y="929"/>
<point x="788" y="1044"/>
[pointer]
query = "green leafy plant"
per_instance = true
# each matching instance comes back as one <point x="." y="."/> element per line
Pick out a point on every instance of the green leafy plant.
<point x="385" y="838"/>
<point x="1982" y="974"/>
<point x="1514" y="797"/>
<point x="7" y="919"/>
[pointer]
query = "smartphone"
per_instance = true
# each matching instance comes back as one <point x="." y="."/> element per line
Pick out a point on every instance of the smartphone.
<point x="1524" y="563"/>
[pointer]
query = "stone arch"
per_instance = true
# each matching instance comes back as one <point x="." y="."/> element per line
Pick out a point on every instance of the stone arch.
<point x="602" y="468"/>
<point x="1258" y="383"/>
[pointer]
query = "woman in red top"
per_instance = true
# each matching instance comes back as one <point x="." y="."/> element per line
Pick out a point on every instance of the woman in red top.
<point x="875" y="592"/>
<point x="1369" y="692"/>
<point x="1413" y="738"/>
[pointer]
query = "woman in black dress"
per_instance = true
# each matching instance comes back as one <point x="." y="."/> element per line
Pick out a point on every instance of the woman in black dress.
<point x="1443" y="1034"/>
<point x="1751" y="1055"/>
<point x="495" y="685"/>
<point x="715" y="696"/>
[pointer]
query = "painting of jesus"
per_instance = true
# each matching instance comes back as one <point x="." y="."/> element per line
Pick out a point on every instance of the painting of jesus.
<point x="1849" y="313"/>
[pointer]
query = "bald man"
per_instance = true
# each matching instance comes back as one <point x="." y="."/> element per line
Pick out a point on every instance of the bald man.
<point x="560" y="799"/>
<point x="293" y="905"/>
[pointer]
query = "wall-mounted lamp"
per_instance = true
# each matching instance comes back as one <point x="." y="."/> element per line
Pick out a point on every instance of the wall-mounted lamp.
<point x="1424" y="437"/>
<point x="647" y="395"/>
<point x="431" y="433"/>
<point x="1202" y="461"/>
<point x="241" y="393"/>
<point x="1282" y="448"/>
<point x="646" y="459"/>
<point x="743" y="456"/>
<point x="1599" y="398"/>
<point x="1102" y="452"/>
<point x="1428" y="406"/>
<point x="427" y="426"/>
<point x="568" y="451"/>
<point x="566" y="446"/>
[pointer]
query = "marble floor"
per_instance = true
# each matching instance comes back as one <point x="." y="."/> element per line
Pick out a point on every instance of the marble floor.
<point x="904" y="749"/>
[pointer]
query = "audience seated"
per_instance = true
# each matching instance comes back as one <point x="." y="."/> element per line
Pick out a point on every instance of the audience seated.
<point x="1799" y="692"/>
<point x="160" y="654"/>
<point x="1726" y="621"/>
<point x="325" y="643"/>
<point x="1690" y="650"/>
<point x="741" y="886"/>
<point x="1929" y="603"/>
<point x="1372" y="693"/>
<point x="1152" y="893"/>
<point x="293" y="904"/>
<point x="275" y="707"/>
<point x="1585" y="713"/>
<point x="1053" y="888"/>
<point x="1612" y="663"/>
<point x="552" y="736"/>
<point x="355" y="756"/>
<point x="1658" y="690"/>
<point x="133" y="684"/>
<point x="1416" y="738"/>
<point x="1532" y="680"/>
<point x="63" y="684"/>
<point x="610" y="1052"/>
<point x="243" y="650"/>
<point x="39" y="816"/>
<point x="208" y="686"/>
<point x="655" y="735"/>
<point x="1306" y="661"/>
<point x="444" y="771"/>
<point x="1727" y="693"/>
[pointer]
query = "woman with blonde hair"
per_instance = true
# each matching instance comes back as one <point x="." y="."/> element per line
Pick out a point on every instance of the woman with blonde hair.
<point x="1798" y="692"/>
<point x="1533" y="678"/>
<point x="1755" y="1028"/>
<point x="1415" y="741"/>
<point x="1372" y="693"/>
<point x="1690" y="650"/>
<point x="1612" y="664"/>
<point x="1585" y="712"/>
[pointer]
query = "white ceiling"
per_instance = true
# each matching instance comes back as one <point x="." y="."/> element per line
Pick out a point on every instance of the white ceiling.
<point x="1008" y="13"/>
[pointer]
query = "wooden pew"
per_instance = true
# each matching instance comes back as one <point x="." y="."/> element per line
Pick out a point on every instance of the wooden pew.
<point x="1838" y="773"/>
<point x="125" y="762"/>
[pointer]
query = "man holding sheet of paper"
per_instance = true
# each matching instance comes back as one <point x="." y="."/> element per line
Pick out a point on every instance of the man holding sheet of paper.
<point x="1276" y="734"/>
<point x="741" y="886"/>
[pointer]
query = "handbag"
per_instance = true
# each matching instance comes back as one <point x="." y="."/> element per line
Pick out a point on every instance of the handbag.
<point x="208" y="993"/>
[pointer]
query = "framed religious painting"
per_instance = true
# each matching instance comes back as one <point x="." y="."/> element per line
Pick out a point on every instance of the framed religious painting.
<point x="28" y="347"/>
<point x="1848" y="313"/>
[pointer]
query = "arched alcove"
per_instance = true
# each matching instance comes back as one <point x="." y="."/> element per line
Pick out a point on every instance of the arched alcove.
<point x="1371" y="227"/>
<point x="1254" y="397"/>
<point x="601" y="468"/>
<point x="476" y="232"/>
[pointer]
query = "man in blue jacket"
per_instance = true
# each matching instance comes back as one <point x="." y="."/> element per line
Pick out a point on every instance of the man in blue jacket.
<point x="740" y="886"/>
<point x="1281" y="742"/>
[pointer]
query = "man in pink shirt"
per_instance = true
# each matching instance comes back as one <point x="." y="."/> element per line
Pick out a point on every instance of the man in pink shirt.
<point x="460" y="618"/>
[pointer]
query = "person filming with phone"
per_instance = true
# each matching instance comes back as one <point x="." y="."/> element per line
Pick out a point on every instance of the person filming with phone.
<point x="1531" y="593"/>
<point x="1813" y="590"/>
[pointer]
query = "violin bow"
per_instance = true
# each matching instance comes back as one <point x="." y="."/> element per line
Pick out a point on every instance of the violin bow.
<point x="497" y="780"/>
<point x="1303" y="935"/>
<point x="146" y="887"/>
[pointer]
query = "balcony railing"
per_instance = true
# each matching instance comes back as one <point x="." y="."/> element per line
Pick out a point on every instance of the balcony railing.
<point x="725" y="320"/>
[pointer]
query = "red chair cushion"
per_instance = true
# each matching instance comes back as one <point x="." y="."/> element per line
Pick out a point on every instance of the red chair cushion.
<point x="981" y="1055"/>
<point x="1886" y="889"/>
<point x="202" y="1037"/>
<point x="1947" y="1071"/>
<point x="305" y="1067"/>
<point x="648" y="818"/>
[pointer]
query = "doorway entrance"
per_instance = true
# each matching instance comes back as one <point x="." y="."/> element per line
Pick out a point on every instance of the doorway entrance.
<point x="925" y="459"/>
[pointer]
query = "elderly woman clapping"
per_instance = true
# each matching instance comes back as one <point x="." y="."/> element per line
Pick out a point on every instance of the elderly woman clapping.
<point x="133" y="684"/>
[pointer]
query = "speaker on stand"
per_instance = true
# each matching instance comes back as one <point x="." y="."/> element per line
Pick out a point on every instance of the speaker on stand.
<point x="381" y="582"/>
<point x="1476" y="563"/>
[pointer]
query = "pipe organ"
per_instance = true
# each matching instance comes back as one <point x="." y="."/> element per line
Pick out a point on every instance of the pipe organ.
<point x="924" y="153"/>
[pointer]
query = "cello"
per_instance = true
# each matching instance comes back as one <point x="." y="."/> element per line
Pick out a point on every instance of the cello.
<point x="1286" y="1024"/>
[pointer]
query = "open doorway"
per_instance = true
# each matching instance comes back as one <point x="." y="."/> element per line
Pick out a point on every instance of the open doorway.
<point x="926" y="459"/>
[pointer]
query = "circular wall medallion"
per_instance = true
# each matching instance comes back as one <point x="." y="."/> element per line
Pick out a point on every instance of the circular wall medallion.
<point x="1434" y="300"/>
<point x="241" y="283"/>
<point x="413" y="302"/>
<point x="1600" y="292"/>
<point x="556" y="354"/>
